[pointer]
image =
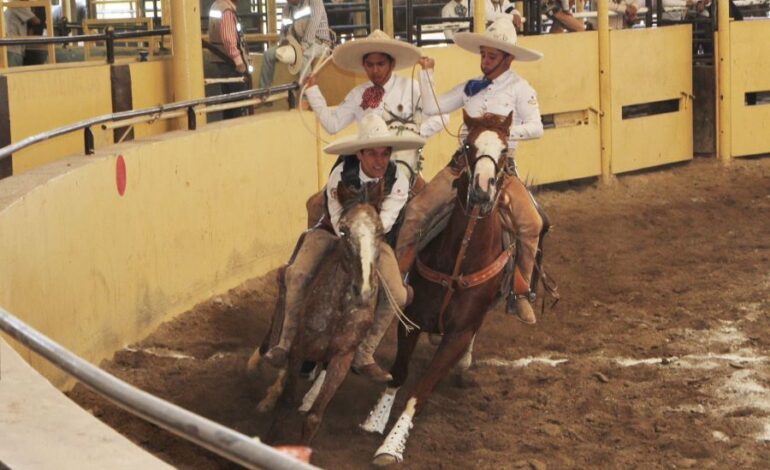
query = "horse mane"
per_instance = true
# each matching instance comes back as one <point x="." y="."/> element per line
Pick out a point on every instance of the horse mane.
<point x="372" y="193"/>
<point x="501" y="125"/>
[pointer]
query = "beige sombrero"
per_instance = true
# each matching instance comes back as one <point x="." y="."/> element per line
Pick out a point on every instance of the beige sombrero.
<point x="373" y="132"/>
<point x="501" y="35"/>
<point x="350" y="55"/>
<point x="291" y="55"/>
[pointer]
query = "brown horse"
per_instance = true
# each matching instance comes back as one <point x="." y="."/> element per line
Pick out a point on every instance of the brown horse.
<point x="336" y="314"/>
<point x="456" y="279"/>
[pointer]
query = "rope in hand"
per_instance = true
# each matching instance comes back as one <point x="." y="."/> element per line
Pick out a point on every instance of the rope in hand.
<point x="317" y="68"/>
<point x="409" y="325"/>
<point x="438" y="107"/>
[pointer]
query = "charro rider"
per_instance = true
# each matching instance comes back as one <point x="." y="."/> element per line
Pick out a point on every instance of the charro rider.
<point x="499" y="91"/>
<point x="371" y="164"/>
<point x="385" y="94"/>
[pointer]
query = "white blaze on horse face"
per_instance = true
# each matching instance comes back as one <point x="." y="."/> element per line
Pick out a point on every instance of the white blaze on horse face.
<point x="363" y="231"/>
<point x="487" y="143"/>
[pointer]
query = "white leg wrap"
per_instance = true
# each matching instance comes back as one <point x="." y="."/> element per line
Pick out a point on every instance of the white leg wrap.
<point x="378" y="417"/>
<point x="312" y="394"/>
<point x="392" y="450"/>
<point x="467" y="359"/>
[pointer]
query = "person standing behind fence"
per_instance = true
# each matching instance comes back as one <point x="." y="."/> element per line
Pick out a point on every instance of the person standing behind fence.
<point x="230" y="56"/>
<point x="624" y="17"/>
<point x="455" y="9"/>
<point x="17" y="20"/>
<point x="306" y="21"/>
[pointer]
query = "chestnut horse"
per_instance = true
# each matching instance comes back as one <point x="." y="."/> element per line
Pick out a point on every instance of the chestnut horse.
<point x="336" y="313"/>
<point x="456" y="279"/>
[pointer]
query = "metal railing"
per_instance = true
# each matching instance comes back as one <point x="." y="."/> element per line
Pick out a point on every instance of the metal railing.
<point x="109" y="36"/>
<point x="222" y="440"/>
<point x="189" y="107"/>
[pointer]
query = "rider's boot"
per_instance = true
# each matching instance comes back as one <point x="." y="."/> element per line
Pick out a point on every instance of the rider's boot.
<point x="363" y="361"/>
<point x="520" y="299"/>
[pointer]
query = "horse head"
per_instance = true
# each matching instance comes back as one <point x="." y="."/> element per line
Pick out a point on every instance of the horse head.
<point x="360" y="231"/>
<point x="485" y="153"/>
<point x="400" y="126"/>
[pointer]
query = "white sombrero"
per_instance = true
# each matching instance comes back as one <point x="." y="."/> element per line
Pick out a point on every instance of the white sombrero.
<point x="373" y="132"/>
<point x="501" y="35"/>
<point x="291" y="55"/>
<point x="350" y="55"/>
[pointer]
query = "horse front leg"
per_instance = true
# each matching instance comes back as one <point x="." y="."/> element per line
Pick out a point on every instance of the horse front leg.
<point x="452" y="347"/>
<point x="336" y="372"/>
<point x="380" y="414"/>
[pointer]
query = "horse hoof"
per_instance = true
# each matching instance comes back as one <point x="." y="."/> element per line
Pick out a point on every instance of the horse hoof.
<point x="265" y="406"/>
<point x="253" y="364"/>
<point x="384" y="460"/>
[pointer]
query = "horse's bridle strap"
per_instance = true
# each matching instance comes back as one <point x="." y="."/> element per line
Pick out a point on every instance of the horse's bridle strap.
<point x="465" y="282"/>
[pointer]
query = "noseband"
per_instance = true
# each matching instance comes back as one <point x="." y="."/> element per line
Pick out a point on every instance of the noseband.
<point x="499" y="172"/>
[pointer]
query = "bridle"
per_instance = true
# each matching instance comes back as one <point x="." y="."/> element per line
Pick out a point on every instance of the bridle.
<point x="456" y="280"/>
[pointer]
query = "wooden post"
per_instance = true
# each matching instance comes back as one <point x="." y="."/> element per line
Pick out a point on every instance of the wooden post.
<point x="605" y="90"/>
<point x="724" y="132"/>
<point x="387" y="17"/>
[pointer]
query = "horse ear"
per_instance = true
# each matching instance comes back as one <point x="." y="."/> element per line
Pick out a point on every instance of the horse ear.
<point x="508" y="120"/>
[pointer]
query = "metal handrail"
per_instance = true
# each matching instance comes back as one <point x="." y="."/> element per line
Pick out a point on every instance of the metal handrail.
<point x="222" y="440"/>
<point x="189" y="105"/>
<point x="109" y="35"/>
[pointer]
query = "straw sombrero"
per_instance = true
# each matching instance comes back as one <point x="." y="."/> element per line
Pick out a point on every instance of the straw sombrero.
<point x="373" y="132"/>
<point x="501" y="35"/>
<point x="350" y="55"/>
<point x="291" y="55"/>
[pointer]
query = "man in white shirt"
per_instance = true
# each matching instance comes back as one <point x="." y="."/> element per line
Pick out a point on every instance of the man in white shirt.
<point x="625" y="13"/>
<point x="16" y="21"/>
<point x="455" y="9"/>
<point x="377" y="56"/>
<point x="370" y="164"/>
<point x="499" y="91"/>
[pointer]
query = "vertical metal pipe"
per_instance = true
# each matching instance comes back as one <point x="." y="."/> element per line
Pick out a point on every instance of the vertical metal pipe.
<point x="479" y="16"/>
<point x="187" y="62"/>
<point x="724" y="133"/>
<point x="110" y="44"/>
<point x="605" y="89"/>
<point x="409" y="20"/>
<point x="387" y="17"/>
<point x="374" y="14"/>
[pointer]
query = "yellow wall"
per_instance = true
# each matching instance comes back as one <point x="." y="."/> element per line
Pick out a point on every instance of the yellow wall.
<point x="151" y="85"/>
<point x="638" y="76"/>
<point x="44" y="99"/>
<point x="202" y="212"/>
<point x="750" y="66"/>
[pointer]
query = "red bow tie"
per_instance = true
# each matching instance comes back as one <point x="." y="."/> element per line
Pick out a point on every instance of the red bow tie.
<point x="372" y="97"/>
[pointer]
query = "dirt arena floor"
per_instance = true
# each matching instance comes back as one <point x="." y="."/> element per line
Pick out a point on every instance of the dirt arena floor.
<point x="656" y="357"/>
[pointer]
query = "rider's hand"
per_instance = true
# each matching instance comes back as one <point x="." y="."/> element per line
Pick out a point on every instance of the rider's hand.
<point x="517" y="22"/>
<point x="426" y="63"/>
<point x="310" y="81"/>
<point x="240" y="68"/>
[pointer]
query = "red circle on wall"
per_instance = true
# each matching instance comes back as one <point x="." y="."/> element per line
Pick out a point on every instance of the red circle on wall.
<point x="120" y="175"/>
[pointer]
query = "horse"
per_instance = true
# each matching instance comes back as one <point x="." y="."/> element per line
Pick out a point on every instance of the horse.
<point x="335" y="316"/>
<point x="456" y="280"/>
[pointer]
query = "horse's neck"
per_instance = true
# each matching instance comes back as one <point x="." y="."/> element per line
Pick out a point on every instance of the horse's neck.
<point x="484" y="246"/>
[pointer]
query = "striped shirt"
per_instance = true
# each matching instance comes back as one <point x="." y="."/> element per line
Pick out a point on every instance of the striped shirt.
<point x="230" y="36"/>
<point x="314" y="24"/>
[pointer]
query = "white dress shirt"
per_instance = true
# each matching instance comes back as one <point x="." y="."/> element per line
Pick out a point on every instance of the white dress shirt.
<point x="507" y="93"/>
<point x="399" y="92"/>
<point x="504" y="9"/>
<point x="391" y="206"/>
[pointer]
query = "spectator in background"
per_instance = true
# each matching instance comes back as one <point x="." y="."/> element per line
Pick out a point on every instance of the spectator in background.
<point x="306" y="21"/>
<point x="17" y="20"/>
<point x="678" y="10"/>
<point x="230" y="56"/>
<point x="455" y="9"/>
<point x="624" y="17"/>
